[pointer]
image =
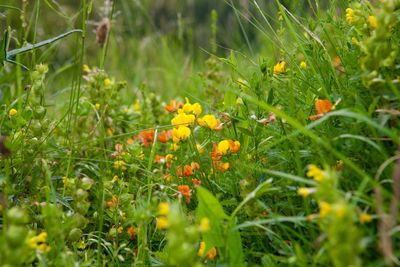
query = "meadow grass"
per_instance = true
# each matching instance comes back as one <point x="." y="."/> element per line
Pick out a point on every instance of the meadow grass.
<point x="274" y="144"/>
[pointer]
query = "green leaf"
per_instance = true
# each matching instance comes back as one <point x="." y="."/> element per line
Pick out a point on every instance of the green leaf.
<point x="11" y="54"/>
<point x="210" y="208"/>
<point x="3" y="47"/>
<point x="234" y="246"/>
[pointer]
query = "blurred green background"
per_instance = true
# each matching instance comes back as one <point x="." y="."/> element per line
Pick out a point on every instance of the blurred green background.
<point x="161" y="42"/>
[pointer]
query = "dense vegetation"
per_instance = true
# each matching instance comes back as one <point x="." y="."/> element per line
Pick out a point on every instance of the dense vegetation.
<point x="199" y="133"/>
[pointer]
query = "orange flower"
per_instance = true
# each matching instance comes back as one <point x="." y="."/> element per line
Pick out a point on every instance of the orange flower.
<point x="187" y="171"/>
<point x="195" y="166"/>
<point x="212" y="253"/>
<point x="164" y="136"/>
<point x="132" y="232"/>
<point x="234" y="145"/>
<point x="146" y="137"/>
<point x="112" y="203"/>
<point x="173" y="106"/>
<point x="196" y="181"/>
<point x="185" y="191"/>
<point x="216" y="154"/>
<point x="221" y="166"/>
<point x="322" y="107"/>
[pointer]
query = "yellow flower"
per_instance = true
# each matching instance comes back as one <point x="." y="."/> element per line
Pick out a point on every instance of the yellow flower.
<point x="316" y="173"/>
<point x="304" y="192"/>
<point x="192" y="108"/>
<point x="183" y="119"/>
<point x="181" y="133"/>
<point x="169" y="158"/>
<point x="163" y="208"/>
<point x="350" y="16"/>
<point x="32" y="242"/>
<point x="110" y="131"/>
<point x="202" y="248"/>
<point x="97" y="106"/>
<point x="82" y="244"/>
<point x="365" y="218"/>
<point x="162" y="223"/>
<point x="107" y="82"/>
<point x="42" y="237"/>
<point x="44" y="248"/>
<point x="196" y="108"/>
<point x="86" y="68"/>
<point x="303" y="65"/>
<point x="204" y="224"/>
<point x="372" y="22"/>
<point x="136" y="106"/>
<point x="200" y="149"/>
<point x="324" y="208"/>
<point x="280" y="67"/>
<point x="12" y="112"/>
<point x="209" y="121"/>
<point x="120" y="165"/>
<point x="115" y="179"/>
<point x="187" y="108"/>
<point x="224" y="147"/>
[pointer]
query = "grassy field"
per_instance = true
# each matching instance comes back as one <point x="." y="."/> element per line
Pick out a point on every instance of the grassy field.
<point x="199" y="133"/>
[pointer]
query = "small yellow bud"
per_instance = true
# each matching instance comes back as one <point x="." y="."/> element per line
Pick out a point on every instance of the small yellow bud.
<point x="107" y="82"/>
<point x="303" y="65"/>
<point x="12" y="112"/>
<point x="162" y="223"/>
<point x="373" y="23"/>
<point x="163" y="208"/>
<point x="303" y="191"/>
<point x="86" y="68"/>
<point x="202" y="248"/>
<point x="365" y="218"/>
<point x="204" y="224"/>
<point x="324" y="209"/>
<point x="97" y="106"/>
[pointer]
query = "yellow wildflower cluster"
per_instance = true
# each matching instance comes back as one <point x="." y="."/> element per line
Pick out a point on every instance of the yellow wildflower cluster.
<point x="120" y="165"/>
<point x="39" y="243"/>
<point x="226" y="146"/>
<point x="280" y="68"/>
<point x="316" y="173"/>
<point x="180" y="133"/>
<point x="162" y="220"/>
<point x="350" y="16"/>
<point x="185" y="118"/>
<point x="192" y="108"/>
<point x="209" y="121"/>
<point x="373" y="23"/>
